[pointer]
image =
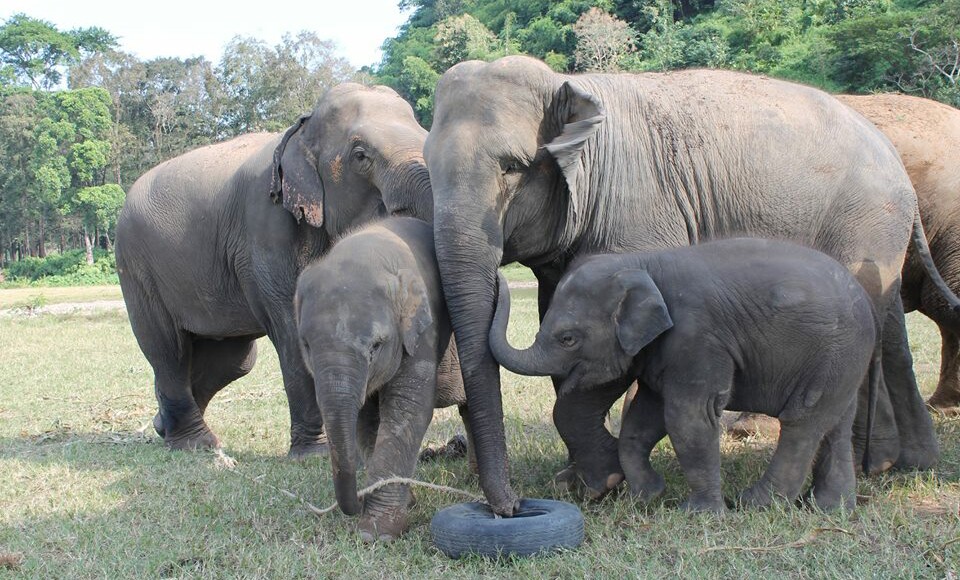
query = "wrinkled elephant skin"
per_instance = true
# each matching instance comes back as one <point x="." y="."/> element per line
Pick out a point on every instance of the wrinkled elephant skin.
<point x="209" y="246"/>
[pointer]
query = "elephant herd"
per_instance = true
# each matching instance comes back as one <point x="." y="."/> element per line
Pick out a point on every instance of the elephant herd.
<point x="291" y="236"/>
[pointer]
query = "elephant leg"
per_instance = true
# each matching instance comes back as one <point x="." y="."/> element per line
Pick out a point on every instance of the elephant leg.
<point x="217" y="363"/>
<point x="947" y="395"/>
<point x="306" y="424"/>
<point x="368" y="423"/>
<point x="693" y="423"/>
<point x="471" y="448"/>
<point x="579" y="418"/>
<point x="406" y="407"/>
<point x="834" y="478"/>
<point x="917" y="438"/>
<point x="643" y="427"/>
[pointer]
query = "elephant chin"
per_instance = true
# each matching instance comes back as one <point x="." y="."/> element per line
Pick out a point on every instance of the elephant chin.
<point x="571" y="382"/>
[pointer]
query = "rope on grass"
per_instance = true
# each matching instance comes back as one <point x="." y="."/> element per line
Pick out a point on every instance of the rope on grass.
<point x="224" y="461"/>
<point x="808" y="539"/>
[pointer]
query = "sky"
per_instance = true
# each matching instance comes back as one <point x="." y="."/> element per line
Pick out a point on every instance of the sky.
<point x="187" y="28"/>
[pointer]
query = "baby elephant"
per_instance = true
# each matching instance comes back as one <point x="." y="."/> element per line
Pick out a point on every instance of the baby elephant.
<point x="743" y="324"/>
<point x="375" y="333"/>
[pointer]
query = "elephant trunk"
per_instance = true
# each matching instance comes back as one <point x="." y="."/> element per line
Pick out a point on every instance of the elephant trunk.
<point x="529" y="361"/>
<point x="469" y="244"/>
<point x="340" y="390"/>
<point x="406" y="189"/>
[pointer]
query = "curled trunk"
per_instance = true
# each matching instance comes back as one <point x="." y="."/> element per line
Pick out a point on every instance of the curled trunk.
<point x="529" y="361"/>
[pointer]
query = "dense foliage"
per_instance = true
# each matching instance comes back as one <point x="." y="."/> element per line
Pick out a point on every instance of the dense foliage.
<point x="80" y="120"/>
<point x="856" y="46"/>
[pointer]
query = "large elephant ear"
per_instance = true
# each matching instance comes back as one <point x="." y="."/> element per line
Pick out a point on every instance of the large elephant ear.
<point x="415" y="315"/>
<point x="296" y="178"/>
<point x="579" y="114"/>
<point x="642" y="314"/>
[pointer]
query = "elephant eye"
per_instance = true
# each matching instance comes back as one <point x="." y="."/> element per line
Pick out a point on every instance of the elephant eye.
<point x="377" y="344"/>
<point x="568" y="340"/>
<point x="512" y="166"/>
<point x="360" y="154"/>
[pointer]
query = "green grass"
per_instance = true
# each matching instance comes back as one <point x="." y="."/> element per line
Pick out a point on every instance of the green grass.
<point x="20" y="297"/>
<point x="88" y="491"/>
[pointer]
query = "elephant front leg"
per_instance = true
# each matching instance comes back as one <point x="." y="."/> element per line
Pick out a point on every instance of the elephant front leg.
<point x="406" y="407"/>
<point x="579" y="418"/>
<point x="643" y="427"/>
<point x="947" y="395"/>
<point x="306" y="425"/>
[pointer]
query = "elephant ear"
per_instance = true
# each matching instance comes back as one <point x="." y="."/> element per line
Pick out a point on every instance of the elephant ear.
<point x="642" y="314"/>
<point x="579" y="114"/>
<point x="415" y="317"/>
<point x="296" y="179"/>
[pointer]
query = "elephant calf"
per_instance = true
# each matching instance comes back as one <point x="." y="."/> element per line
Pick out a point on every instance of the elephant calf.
<point x="745" y="324"/>
<point x="376" y="337"/>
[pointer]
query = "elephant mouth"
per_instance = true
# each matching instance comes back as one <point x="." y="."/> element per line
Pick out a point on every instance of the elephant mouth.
<point x="571" y="381"/>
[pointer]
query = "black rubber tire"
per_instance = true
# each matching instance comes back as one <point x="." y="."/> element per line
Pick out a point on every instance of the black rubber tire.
<point x="539" y="526"/>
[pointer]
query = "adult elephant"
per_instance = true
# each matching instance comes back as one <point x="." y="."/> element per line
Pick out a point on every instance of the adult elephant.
<point x="927" y="136"/>
<point x="533" y="166"/>
<point x="208" y="256"/>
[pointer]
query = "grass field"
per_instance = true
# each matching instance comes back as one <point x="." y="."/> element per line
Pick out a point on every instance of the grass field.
<point x="33" y="297"/>
<point x="88" y="491"/>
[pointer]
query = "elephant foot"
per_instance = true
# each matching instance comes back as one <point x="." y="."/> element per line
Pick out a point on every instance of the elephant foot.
<point x="570" y="480"/>
<point x="158" y="425"/>
<point x="383" y="528"/>
<point x="830" y="499"/>
<point x="917" y="458"/>
<point x="455" y="448"/>
<point x="758" y="495"/>
<point x="883" y="454"/>
<point x="198" y="438"/>
<point x="945" y="401"/>
<point x="752" y="425"/>
<point x="305" y="448"/>
<point x="701" y="504"/>
<point x="647" y="487"/>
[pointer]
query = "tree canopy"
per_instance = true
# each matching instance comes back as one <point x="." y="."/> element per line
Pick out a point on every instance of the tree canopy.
<point x="80" y="120"/>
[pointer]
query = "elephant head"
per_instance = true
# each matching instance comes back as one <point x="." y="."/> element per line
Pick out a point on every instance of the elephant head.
<point x="507" y="157"/>
<point x="353" y="334"/>
<point x="357" y="155"/>
<point x="598" y="321"/>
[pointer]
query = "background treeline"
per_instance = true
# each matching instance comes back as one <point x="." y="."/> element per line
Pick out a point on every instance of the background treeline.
<point x="80" y="120"/>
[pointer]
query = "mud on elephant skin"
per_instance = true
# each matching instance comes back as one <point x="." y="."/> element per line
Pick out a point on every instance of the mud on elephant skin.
<point x="376" y="337"/>
<point x="209" y="246"/>
<point x="532" y="166"/>
<point x="745" y="324"/>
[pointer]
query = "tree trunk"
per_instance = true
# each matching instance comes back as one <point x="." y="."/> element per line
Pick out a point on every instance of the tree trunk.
<point x="62" y="243"/>
<point x="41" y="242"/>
<point x="88" y="246"/>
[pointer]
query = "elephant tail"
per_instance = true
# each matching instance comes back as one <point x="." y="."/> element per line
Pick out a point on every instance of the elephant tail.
<point x="923" y="252"/>
<point x="873" y="389"/>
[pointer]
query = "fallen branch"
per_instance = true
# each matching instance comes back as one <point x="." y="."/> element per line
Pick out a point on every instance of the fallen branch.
<point x="808" y="539"/>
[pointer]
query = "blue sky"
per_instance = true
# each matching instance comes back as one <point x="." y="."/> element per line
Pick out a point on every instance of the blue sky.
<point x="185" y="28"/>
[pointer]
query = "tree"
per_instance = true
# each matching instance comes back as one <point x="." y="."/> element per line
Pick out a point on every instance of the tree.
<point x="462" y="38"/>
<point x="35" y="52"/>
<point x="98" y="207"/>
<point x="602" y="41"/>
